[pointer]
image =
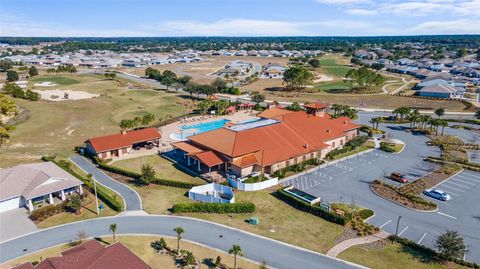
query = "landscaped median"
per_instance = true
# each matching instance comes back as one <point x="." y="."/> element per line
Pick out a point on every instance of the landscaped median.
<point x="408" y="195"/>
<point x="241" y="207"/>
<point x="392" y="146"/>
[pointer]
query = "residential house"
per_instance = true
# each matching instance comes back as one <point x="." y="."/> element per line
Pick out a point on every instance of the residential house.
<point x="26" y="185"/>
<point x="438" y="91"/>
<point x="273" y="70"/>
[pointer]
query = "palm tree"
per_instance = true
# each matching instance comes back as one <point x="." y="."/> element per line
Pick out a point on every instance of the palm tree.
<point x="439" y="112"/>
<point x="179" y="231"/>
<point x="476" y="116"/>
<point x="336" y="109"/>
<point x="236" y="250"/>
<point x="414" y="117"/>
<point x="444" y="124"/>
<point x="113" y="229"/>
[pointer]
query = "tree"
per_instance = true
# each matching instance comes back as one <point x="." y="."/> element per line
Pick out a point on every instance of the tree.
<point x="126" y="124"/>
<point x="75" y="203"/>
<point x="236" y="250"/>
<point x="147" y="175"/>
<point x="297" y="77"/>
<point x="179" y="231"/>
<point x="295" y="106"/>
<point x="5" y="65"/>
<point x="159" y="245"/>
<point x="31" y="95"/>
<point x="450" y="245"/>
<point x="257" y="98"/>
<point x="184" y="80"/>
<point x="7" y="106"/>
<point x="204" y="105"/>
<point x="402" y="111"/>
<point x="462" y="53"/>
<point x="113" y="229"/>
<point x="110" y="76"/>
<point x="147" y="119"/>
<point x="12" y="75"/>
<point x="32" y="71"/>
<point x="443" y="124"/>
<point x="439" y="112"/>
<point x="219" y="84"/>
<point x="315" y="63"/>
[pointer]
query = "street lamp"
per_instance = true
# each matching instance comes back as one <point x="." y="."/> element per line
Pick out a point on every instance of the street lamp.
<point x="95" y="189"/>
<point x="398" y="223"/>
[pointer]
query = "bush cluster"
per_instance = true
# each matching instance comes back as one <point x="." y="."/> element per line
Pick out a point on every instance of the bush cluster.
<point x="362" y="228"/>
<point x="429" y="251"/>
<point x="315" y="209"/>
<point x="387" y="147"/>
<point x="47" y="211"/>
<point x="214" y="208"/>
<point x="135" y="175"/>
<point x="296" y="168"/>
<point x="349" y="146"/>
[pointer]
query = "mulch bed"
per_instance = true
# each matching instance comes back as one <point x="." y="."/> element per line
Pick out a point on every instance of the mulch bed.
<point x="348" y="233"/>
<point x="388" y="193"/>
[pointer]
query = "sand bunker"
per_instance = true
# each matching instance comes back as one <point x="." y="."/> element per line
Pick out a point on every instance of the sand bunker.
<point x="65" y="95"/>
<point x="45" y="84"/>
<point x="322" y="78"/>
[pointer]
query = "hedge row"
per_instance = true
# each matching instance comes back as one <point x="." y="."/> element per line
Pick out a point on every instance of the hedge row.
<point x="135" y="175"/>
<point x="101" y="192"/>
<point x="470" y="166"/>
<point x="315" y="210"/>
<point x="214" y="208"/>
<point x="47" y="211"/>
<point x="429" y="251"/>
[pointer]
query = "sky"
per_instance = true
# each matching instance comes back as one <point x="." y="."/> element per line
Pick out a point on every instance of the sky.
<point x="113" y="18"/>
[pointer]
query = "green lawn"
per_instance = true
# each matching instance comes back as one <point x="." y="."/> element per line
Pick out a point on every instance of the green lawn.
<point x="163" y="168"/>
<point x="56" y="80"/>
<point x="57" y="127"/>
<point x="393" y="256"/>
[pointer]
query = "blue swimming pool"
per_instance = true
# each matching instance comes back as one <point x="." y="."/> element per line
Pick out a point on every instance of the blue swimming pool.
<point x="198" y="128"/>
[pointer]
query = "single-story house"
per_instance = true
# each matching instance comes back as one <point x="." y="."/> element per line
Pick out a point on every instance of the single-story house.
<point x="117" y="145"/>
<point x="280" y="139"/>
<point x="273" y="70"/>
<point x="438" y="91"/>
<point x="91" y="254"/>
<point x="28" y="184"/>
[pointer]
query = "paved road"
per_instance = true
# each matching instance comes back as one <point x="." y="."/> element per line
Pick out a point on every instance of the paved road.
<point x="131" y="197"/>
<point x="274" y="253"/>
<point x="348" y="182"/>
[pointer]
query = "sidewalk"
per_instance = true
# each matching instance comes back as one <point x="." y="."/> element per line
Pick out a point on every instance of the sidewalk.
<point x="337" y="249"/>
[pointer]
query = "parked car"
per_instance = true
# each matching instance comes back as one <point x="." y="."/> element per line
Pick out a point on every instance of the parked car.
<point x="399" y="177"/>
<point x="149" y="146"/>
<point x="437" y="194"/>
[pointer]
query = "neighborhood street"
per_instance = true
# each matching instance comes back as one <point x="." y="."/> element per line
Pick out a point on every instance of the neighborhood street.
<point x="274" y="253"/>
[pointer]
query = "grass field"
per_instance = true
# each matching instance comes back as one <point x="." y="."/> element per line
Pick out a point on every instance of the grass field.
<point x="59" y="80"/>
<point x="393" y="256"/>
<point x="140" y="246"/>
<point x="56" y="127"/>
<point x="163" y="168"/>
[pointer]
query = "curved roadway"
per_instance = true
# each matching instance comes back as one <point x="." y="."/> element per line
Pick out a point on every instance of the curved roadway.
<point x="274" y="253"/>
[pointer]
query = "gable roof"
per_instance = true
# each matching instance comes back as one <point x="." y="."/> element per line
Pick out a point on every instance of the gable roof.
<point x="92" y="255"/>
<point x="439" y="88"/>
<point x="123" y="140"/>
<point x="33" y="180"/>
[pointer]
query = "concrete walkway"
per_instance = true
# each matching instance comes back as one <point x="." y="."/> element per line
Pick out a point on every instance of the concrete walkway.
<point x="130" y="197"/>
<point x="337" y="249"/>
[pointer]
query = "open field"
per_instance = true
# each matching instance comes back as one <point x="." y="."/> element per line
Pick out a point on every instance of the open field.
<point x="55" y="79"/>
<point x="140" y="245"/>
<point x="393" y="256"/>
<point x="56" y="127"/>
<point x="163" y="168"/>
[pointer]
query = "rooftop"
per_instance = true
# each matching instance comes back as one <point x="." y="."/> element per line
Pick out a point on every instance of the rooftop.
<point x="123" y="140"/>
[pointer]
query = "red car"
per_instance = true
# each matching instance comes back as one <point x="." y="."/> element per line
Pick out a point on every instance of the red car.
<point x="399" y="177"/>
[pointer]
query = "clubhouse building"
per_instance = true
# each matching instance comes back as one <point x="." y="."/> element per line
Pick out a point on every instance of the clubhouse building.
<point x="281" y="138"/>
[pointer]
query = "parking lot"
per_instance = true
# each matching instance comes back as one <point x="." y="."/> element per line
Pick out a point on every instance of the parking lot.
<point x="347" y="181"/>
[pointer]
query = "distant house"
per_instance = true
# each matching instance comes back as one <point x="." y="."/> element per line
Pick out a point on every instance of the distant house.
<point x="133" y="63"/>
<point x="26" y="185"/>
<point x="273" y="70"/>
<point x="91" y="254"/>
<point x="117" y="145"/>
<point x="438" y="91"/>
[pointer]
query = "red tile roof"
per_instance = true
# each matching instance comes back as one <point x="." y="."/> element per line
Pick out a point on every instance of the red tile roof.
<point x="210" y="158"/>
<point x="117" y="141"/>
<point x="26" y="265"/>
<point x="92" y="255"/>
<point x="246" y="161"/>
<point x="315" y="105"/>
<point x="296" y="134"/>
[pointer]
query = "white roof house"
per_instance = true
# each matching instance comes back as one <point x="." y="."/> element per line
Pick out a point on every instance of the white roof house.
<point x="26" y="184"/>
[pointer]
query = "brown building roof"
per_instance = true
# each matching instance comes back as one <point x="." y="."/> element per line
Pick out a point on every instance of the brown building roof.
<point x="209" y="158"/>
<point x="296" y="134"/>
<point x="315" y="105"/>
<point x="245" y="161"/>
<point x="123" y="140"/>
<point x="274" y="112"/>
<point x="92" y="255"/>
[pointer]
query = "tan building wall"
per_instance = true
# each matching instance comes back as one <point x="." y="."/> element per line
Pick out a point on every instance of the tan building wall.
<point x="242" y="172"/>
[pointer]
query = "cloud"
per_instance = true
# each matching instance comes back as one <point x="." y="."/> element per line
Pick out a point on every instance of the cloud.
<point x="343" y="2"/>
<point x="461" y="26"/>
<point x="361" y="12"/>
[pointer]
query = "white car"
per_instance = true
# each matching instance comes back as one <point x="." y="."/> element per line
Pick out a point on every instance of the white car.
<point x="437" y="194"/>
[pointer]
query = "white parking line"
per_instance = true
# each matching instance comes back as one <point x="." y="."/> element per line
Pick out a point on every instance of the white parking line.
<point x="472" y="175"/>
<point x="446" y="215"/>
<point x="460" y="185"/>
<point x="455" y="189"/>
<point x="468" y="178"/>
<point x="469" y="183"/>
<point x="425" y="234"/>
<point x="385" y="224"/>
<point x="403" y="231"/>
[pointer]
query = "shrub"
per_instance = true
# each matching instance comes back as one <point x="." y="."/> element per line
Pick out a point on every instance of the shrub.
<point x="365" y="213"/>
<point x="47" y="211"/>
<point x="214" y="208"/>
<point x="155" y="180"/>
<point x="315" y="210"/>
